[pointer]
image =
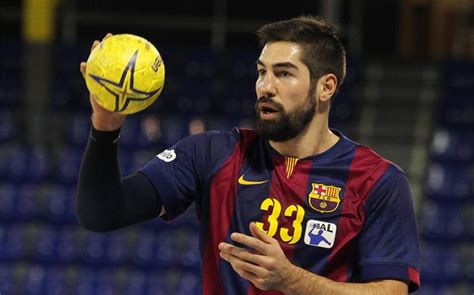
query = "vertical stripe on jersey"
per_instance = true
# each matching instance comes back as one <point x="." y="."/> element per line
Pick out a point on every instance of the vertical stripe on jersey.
<point x="221" y="211"/>
<point x="289" y="192"/>
<point x="365" y="170"/>
<point x="290" y="164"/>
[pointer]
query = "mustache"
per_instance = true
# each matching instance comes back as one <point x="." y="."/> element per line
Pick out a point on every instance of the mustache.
<point x="269" y="99"/>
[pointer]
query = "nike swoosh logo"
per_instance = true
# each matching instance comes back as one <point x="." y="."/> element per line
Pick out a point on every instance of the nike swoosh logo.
<point x="249" y="182"/>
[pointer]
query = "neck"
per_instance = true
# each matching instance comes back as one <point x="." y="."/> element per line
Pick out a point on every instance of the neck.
<point x="314" y="139"/>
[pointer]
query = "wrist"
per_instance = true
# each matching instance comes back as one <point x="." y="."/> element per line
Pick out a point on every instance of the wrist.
<point x="291" y="281"/>
<point x="112" y="122"/>
<point x="102" y="136"/>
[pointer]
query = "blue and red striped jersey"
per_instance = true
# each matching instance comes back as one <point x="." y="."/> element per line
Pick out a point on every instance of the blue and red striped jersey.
<point x="346" y="214"/>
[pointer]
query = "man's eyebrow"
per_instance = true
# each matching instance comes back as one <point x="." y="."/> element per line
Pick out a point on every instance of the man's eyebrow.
<point x="279" y="65"/>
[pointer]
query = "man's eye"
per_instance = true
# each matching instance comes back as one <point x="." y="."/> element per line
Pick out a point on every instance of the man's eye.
<point x="283" y="74"/>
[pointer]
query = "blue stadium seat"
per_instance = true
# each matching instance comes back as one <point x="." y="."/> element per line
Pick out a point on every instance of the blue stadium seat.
<point x="437" y="289"/>
<point x="453" y="147"/>
<point x="129" y="133"/>
<point x="86" y="281"/>
<point x="166" y="251"/>
<point x="162" y="282"/>
<point x="242" y="63"/>
<point x="200" y="63"/>
<point x="440" y="263"/>
<point x="34" y="281"/>
<point x="27" y="203"/>
<point x="93" y="252"/>
<point x="190" y="255"/>
<point x="68" y="244"/>
<point x="71" y="209"/>
<point x="136" y="283"/>
<point x="144" y="249"/>
<point x="442" y="222"/>
<point x="12" y="242"/>
<point x="7" y="202"/>
<point x="448" y="183"/>
<point x="188" y="283"/>
<point x="457" y="112"/>
<point x="18" y="168"/>
<point x="56" y="281"/>
<point x="6" y="283"/>
<point x="68" y="163"/>
<point x="23" y="164"/>
<point x="77" y="132"/>
<point x="56" y="203"/>
<point x="106" y="283"/>
<point x="469" y="266"/>
<point x="117" y="251"/>
<point x="46" y="244"/>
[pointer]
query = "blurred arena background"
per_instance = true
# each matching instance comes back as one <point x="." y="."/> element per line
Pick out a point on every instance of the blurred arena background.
<point x="409" y="94"/>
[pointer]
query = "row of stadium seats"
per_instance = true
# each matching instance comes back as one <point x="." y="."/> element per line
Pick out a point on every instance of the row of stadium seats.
<point x="143" y="138"/>
<point x="449" y="183"/>
<point x="23" y="164"/>
<point x="141" y="247"/>
<point x="453" y="263"/>
<point x="447" y="213"/>
<point x="39" y="279"/>
<point x="56" y="204"/>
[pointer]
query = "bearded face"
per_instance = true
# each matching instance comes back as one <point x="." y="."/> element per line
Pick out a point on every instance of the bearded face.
<point x="277" y="124"/>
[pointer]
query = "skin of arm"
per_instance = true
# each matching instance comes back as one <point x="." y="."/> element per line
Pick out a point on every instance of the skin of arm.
<point x="268" y="269"/>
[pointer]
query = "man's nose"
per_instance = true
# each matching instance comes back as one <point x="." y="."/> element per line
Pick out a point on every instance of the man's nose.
<point x="267" y="85"/>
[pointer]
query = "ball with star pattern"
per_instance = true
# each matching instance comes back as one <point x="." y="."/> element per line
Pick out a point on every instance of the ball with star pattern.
<point x="125" y="73"/>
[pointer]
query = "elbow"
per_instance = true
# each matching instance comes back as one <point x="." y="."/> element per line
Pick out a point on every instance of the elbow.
<point x="93" y="224"/>
<point x="96" y="216"/>
<point x="96" y="220"/>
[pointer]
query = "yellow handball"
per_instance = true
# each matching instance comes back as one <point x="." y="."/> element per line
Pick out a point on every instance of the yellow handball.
<point x="125" y="73"/>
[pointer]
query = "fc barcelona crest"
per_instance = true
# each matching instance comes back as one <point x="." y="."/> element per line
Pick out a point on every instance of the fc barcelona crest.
<point x="324" y="198"/>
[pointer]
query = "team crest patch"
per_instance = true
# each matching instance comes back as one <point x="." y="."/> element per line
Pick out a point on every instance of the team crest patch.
<point x="324" y="198"/>
<point x="167" y="155"/>
<point x="320" y="234"/>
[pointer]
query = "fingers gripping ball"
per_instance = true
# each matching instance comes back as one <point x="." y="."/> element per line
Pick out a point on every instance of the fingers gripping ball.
<point x="125" y="74"/>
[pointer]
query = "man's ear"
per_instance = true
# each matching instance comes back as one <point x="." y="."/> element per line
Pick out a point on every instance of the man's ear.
<point x="327" y="85"/>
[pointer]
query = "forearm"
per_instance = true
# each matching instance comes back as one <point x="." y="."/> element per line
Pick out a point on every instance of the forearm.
<point x="105" y="201"/>
<point x="302" y="282"/>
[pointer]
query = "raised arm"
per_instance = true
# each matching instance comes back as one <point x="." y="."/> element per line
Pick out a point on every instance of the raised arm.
<point x="105" y="200"/>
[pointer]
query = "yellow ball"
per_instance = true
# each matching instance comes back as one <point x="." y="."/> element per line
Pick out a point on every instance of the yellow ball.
<point x="125" y="73"/>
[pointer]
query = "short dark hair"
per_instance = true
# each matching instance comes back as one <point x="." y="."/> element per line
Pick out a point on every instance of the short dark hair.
<point x="323" y="52"/>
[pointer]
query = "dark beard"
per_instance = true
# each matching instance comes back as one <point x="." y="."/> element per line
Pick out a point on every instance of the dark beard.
<point x="288" y="125"/>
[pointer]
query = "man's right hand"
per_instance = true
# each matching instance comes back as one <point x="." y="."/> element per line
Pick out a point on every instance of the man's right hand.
<point x="102" y="119"/>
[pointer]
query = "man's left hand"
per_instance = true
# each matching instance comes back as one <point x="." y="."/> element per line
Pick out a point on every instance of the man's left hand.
<point x="266" y="267"/>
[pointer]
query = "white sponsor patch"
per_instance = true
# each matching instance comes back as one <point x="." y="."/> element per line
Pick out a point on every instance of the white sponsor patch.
<point x="320" y="234"/>
<point x="167" y="155"/>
